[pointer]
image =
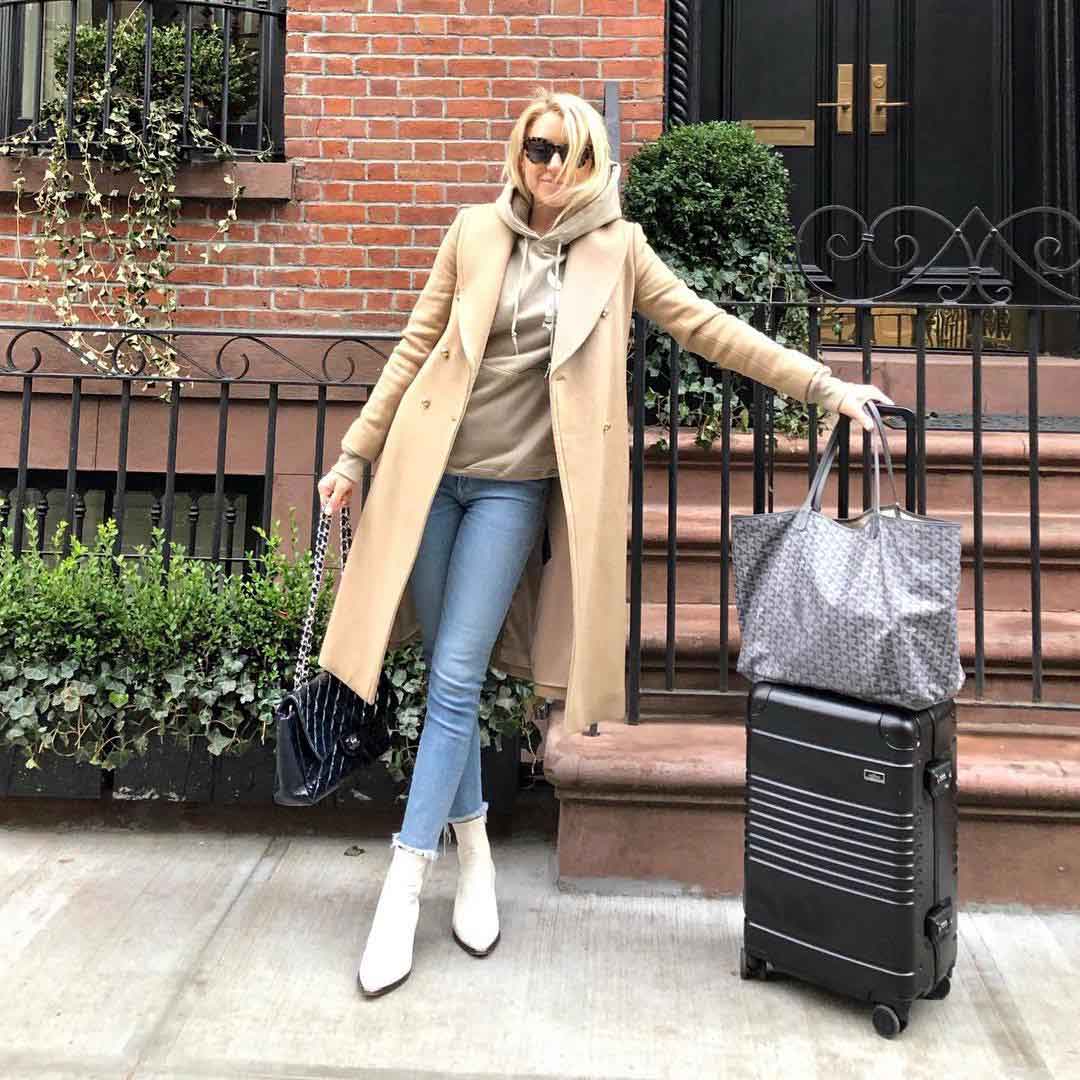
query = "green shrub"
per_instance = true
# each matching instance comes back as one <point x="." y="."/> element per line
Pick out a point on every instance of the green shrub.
<point x="713" y="202"/>
<point x="98" y="651"/>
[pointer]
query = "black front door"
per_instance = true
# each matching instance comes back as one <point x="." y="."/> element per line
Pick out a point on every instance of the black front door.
<point x="876" y="104"/>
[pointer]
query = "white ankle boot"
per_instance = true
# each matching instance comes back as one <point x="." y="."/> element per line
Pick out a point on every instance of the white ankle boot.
<point x="475" y="923"/>
<point x="387" y="958"/>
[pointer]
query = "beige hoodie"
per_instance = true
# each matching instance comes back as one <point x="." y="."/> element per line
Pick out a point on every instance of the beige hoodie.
<point x="506" y="433"/>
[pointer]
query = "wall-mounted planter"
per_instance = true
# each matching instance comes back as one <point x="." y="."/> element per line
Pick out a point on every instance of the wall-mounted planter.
<point x="260" y="179"/>
<point x="166" y="771"/>
<point x="55" y="776"/>
<point x="169" y="771"/>
<point x="247" y="777"/>
<point x="370" y="786"/>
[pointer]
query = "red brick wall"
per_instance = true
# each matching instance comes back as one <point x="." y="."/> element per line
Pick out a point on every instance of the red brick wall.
<point x="396" y="115"/>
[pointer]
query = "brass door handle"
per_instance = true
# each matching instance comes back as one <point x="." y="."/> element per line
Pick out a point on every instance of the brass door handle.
<point x="845" y="116"/>
<point x="879" y="103"/>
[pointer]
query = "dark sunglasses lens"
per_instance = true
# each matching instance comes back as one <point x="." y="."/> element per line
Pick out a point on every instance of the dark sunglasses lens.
<point x="539" y="151"/>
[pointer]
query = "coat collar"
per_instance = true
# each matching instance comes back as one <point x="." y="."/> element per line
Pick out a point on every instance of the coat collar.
<point x="593" y="263"/>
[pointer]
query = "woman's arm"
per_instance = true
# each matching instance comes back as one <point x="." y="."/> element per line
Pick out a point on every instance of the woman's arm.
<point x="364" y="439"/>
<point x="350" y="466"/>
<point x="701" y="327"/>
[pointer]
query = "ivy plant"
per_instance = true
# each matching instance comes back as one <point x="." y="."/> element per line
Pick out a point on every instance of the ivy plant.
<point x="98" y="651"/>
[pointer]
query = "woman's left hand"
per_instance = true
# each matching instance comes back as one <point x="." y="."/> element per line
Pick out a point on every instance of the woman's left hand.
<point x="851" y="404"/>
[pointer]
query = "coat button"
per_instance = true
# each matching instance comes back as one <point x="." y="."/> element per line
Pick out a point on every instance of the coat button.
<point x="425" y="403"/>
<point x="453" y="418"/>
<point x="559" y="378"/>
<point x="604" y="312"/>
<point x="606" y="426"/>
<point x="446" y="352"/>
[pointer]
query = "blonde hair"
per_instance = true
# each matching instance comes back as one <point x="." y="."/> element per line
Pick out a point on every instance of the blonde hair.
<point x="582" y="126"/>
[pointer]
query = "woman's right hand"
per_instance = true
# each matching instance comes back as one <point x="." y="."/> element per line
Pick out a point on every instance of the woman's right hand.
<point x="334" y="492"/>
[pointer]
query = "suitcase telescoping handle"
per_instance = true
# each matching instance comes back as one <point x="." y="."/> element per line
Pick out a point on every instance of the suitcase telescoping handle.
<point x="902" y="412"/>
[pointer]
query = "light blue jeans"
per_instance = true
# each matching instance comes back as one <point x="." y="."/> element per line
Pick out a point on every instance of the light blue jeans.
<point x="475" y="545"/>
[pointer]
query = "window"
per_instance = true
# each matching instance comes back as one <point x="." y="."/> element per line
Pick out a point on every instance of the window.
<point x="33" y="31"/>
<point x="193" y="512"/>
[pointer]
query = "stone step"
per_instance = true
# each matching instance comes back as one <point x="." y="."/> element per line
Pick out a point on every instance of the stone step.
<point x="949" y="481"/>
<point x="1006" y="557"/>
<point x="657" y="808"/>
<point x="948" y="380"/>
<point x="1007" y="649"/>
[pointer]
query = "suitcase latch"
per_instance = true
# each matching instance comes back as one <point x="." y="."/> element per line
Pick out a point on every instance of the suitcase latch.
<point x="939" y="777"/>
<point x="939" y="922"/>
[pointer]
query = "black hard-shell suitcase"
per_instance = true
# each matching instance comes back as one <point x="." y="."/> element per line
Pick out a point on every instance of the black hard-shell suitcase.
<point x="850" y="847"/>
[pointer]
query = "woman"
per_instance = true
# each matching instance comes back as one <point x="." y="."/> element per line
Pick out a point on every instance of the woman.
<point x="500" y="425"/>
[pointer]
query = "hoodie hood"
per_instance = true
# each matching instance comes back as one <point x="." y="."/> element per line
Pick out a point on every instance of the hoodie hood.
<point x="513" y="206"/>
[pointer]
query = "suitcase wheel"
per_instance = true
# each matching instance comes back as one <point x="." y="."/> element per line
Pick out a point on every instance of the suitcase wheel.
<point x="941" y="990"/>
<point x="750" y="967"/>
<point x="888" y="1023"/>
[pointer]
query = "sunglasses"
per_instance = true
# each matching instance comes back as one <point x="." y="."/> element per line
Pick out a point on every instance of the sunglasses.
<point x="539" y="151"/>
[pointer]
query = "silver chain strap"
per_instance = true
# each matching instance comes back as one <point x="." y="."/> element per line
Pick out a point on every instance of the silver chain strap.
<point x="321" y="538"/>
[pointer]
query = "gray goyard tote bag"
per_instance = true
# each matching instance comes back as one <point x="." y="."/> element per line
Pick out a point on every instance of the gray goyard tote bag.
<point x="864" y="607"/>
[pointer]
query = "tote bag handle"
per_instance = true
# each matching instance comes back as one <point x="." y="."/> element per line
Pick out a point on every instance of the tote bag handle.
<point x="817" y="487"/>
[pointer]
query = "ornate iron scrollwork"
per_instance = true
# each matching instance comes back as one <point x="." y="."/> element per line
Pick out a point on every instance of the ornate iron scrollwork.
<point x="974" y="288"/>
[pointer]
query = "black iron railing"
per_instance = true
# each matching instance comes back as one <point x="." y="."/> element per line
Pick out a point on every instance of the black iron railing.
<point x="967" y="316"/>
<point x="244" y="108"/>
<point x="238" y="368"/>
<point x="37" y="361"/>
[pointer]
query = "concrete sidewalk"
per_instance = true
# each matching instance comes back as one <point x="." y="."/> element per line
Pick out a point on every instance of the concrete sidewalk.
<point x="160" y="942"/>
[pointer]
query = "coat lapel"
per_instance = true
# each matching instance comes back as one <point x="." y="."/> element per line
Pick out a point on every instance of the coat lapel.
<point x="484" y="257"/>
<point x="593" y="263"/>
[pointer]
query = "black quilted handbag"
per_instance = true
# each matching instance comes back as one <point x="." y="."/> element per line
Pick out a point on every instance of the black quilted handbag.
<point x="325" y="730"/>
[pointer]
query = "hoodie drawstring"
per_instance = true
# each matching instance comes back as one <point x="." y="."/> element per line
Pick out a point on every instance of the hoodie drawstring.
<point x="517" y="295"/>
<point x="553" y="308"/>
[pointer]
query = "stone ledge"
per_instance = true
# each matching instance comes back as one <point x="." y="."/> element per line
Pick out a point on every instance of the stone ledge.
<point x="679" y="761"/>
<point x="657" y="809"/>
<point x="261" y="179"/>
<point x="1006" y="533"/>
<point x="706" y="762"/>
<point x="1007" y="449"/>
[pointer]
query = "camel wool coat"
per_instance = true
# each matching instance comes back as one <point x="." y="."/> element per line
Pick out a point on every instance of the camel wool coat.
<point x="567" y="626"/>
